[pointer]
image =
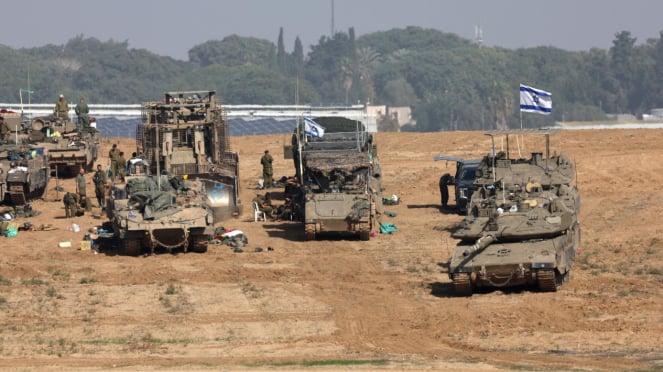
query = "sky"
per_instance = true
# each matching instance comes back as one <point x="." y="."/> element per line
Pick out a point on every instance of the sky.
<point x="171" y="27"/>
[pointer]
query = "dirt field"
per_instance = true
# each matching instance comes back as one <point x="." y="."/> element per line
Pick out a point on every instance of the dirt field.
<point x="347" y="304"/>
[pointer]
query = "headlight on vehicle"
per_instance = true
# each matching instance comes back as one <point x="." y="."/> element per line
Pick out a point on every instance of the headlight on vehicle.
<point x="462" y="193"/>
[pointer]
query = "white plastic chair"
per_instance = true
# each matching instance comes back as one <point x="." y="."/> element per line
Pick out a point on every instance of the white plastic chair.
<point x="258" y="215"/>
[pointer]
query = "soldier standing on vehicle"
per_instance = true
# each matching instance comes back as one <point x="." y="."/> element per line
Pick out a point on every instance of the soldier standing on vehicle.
<point x="80" y="190"/>
<point x="100" y="186"/>
<point x="82" y="110"/>
<point x="113" y="155"/>
<point x="70" y="204"/>
<point x="267" y="171"/>
<point x="62" y="108"/>
<point x="5" y="132"/>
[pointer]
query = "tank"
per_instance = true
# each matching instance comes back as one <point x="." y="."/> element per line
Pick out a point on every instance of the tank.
<point x="67" y="147"/>
<point x="187" y="134"/>
<point x="24" y="171"/>
<point x="339" y="178"/>
<point x="522" y="225"/>
<point x="148" y="213"/>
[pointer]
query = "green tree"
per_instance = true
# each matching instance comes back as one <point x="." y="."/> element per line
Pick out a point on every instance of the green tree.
<point x="233" y="50"/>
<point x="297" y="58"/>
<point x="281" y="56"/>
<point x="621" y="62"/>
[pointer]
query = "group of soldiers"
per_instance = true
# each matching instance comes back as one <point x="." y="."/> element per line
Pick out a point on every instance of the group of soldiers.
<point x="282" y="212"/>
<point x="82" y="110"/>
<point x="77" y="203"/>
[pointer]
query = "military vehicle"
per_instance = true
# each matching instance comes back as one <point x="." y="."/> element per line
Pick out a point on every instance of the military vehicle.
<point x="522" y="225"/>
<point x="150" y="212"/>
<point x="463" y="180"/>
<point x="339" y="177"/>
<point x="24" y="174"/>
<point x="24" y="169"/>
<point x="68" y="148"/>
<point x="187" y="134"/>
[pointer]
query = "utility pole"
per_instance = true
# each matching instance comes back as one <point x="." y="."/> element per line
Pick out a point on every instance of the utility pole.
<point x="332" y="19"/>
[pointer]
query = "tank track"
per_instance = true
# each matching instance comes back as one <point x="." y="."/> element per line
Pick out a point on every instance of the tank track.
<point x="309" y="231"/>
<point x="547" y="280"/>
<point x="198" y="243"/>
<point x="462" y="285"/>
<point x="365" y="231"/>
<point x="130" y="247"/>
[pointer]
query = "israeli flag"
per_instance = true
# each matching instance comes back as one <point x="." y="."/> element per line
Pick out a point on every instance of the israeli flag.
<point x="313" y="129"/>
<point x="535" y="100"/>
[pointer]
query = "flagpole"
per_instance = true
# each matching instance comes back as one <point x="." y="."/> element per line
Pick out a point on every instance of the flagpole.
<point x="521" y="128"/>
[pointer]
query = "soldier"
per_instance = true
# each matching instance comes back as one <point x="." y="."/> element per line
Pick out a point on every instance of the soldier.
<point x="285" y="211"/>
<point x="265" y="206"/>
<point x="62" y="108"/>
<point x="100" y="186"/>
<point x="70" y="204"/>
<point x="80" y="190"/>
<point x="113" y="155"/>
<point x="5" y="132"/>
<point x="82" y="110"/>
<point x="445" y="181"/>
<point x="121" y="166"/>
<point x="267" y="172"/>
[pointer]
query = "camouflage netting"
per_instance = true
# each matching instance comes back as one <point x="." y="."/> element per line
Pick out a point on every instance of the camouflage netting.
<point x="346" y="161"/>
<point x="360" y="209"/>
<point x="153" y="204"/>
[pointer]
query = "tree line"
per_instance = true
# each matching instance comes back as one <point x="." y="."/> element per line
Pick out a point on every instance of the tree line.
<point x="451" y="83"/>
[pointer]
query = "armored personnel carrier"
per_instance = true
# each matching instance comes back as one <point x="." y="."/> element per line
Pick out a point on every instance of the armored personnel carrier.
<point x="68" y="148"/>
<point x="24" y="169"/>
<point x="149" y="213"/>
<point x="339" y="177"/>
<point x="187" y="134"/>
<point x="522" y="225"/>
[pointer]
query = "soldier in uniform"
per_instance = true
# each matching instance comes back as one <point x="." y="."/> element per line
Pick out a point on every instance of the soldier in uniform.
<point x="100" y="186"/>
<point x="80" y="190"/>
<point x="62" y="108"/>
<point x="445" y="181"/>
<point x="264" y="205"/>
<point x="5" y="132"/>
<point x="121" y="166"/>
<point x="113" y="155"/>
<point x="267" y="172"/>
<point x="82" y="110"/>
<point x="70" y="204"/>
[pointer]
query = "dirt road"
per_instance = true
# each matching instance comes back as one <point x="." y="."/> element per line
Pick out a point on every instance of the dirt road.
<point x="347" y="304"/>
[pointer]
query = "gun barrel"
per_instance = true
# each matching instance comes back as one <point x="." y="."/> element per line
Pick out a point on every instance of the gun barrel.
<point x="480" y="244"/>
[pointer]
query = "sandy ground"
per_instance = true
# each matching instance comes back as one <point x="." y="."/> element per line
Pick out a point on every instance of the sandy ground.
<point x="347" y="304"/>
